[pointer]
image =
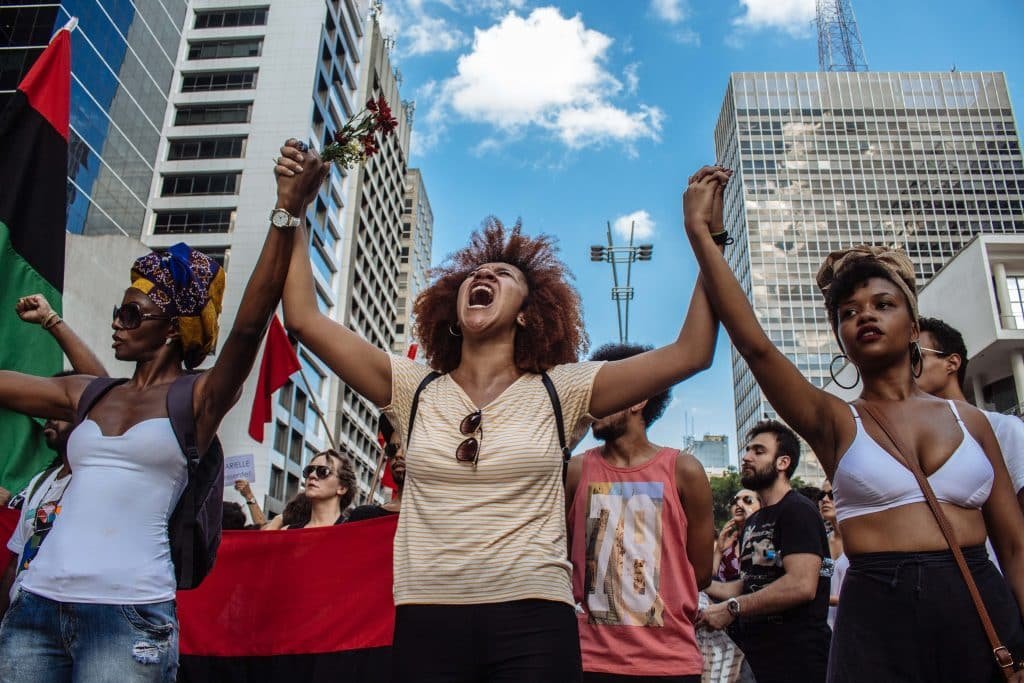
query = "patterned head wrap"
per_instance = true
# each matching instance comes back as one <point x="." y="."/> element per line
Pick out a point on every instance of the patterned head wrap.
<point x="188" y="285"/>
<point x="896" y="263"/>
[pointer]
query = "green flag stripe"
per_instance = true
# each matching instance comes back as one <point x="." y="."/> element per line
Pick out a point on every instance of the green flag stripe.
<point x="23" y="348"/>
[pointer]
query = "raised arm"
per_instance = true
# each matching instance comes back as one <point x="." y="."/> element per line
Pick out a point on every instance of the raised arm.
<point x="809" y="410"/>
<point x="48" y="397"/>
<point x="626" y="382"/>
<point x="356" y="361"/>
<point x="36" y="309"/>
<point x="299" y="175"/>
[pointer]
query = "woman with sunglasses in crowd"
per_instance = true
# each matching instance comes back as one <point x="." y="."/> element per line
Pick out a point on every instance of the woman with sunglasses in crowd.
<point x="97" y="602"/>
<point x="482" y="581"/>
<point x="330" y="486"/>
<point x="905" y="612"/>
<point x="726" y="562"/>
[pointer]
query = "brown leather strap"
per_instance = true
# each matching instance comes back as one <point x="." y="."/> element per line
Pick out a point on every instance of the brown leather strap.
<point x="1002" y="655"/>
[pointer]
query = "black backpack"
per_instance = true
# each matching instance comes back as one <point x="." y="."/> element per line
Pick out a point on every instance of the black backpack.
<point x="556" y="404"/>
<point x="194" y="529"/>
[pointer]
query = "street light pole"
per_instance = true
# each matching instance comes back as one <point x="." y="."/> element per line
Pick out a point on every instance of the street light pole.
<point x="615" y="255"/>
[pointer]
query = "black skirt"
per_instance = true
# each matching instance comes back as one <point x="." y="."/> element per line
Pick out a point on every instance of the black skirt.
<point x="909" y="617"/>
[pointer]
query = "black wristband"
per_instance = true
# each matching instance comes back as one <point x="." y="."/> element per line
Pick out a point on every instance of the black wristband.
<point x="722" y="238"/>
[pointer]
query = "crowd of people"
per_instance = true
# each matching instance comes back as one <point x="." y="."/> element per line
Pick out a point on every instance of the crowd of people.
<point x="514" y="561"/>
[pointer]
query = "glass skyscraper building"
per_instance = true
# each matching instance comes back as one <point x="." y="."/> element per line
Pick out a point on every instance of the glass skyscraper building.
<point x="921" y="161"/>
<point x="122" y="61"/>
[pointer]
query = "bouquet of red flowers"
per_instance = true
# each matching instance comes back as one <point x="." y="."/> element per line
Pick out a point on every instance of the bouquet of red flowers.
<point x="356" y="141"/>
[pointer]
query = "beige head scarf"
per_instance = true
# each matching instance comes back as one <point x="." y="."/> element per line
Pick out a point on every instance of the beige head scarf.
<point x="896" y="263"/>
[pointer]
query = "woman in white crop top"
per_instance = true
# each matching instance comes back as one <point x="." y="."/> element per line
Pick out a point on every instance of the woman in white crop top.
<point x="97" y="602"/>
<point x="482" y="582"/>
<point x="904" y="613"/>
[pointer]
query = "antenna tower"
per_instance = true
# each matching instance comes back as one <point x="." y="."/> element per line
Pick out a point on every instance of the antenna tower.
<point x="839" y="44"/>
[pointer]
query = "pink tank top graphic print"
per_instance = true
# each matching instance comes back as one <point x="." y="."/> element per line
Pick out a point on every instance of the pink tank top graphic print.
<point x="634" y="587"/>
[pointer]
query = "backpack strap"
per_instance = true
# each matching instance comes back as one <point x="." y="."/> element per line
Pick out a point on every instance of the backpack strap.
<point x="559" y="422"/>
<point x="416" y="401"/>
<point x="183" y="423"/>
<point x="183" y="417"/>
<point x="94" y="391"/>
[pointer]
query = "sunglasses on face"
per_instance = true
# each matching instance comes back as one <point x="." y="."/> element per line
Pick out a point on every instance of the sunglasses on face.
<point x="129" y="316"/>
<point x="469" y="450"/>
<point x="321" y="471"/>
<point x="391" y="450"/>
<point x="747" y="500"/>
<point x="826" y="494"/>
<point x="939" y="354"/>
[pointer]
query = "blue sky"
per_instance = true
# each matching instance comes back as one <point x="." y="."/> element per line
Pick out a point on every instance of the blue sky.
<point x="569" y="115"/>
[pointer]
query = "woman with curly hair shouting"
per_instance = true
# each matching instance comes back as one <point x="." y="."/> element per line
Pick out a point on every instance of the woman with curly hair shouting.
<point x="482" y="580"/>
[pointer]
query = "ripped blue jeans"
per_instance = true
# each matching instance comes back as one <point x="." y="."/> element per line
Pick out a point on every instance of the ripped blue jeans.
<point x="45" y="641"/>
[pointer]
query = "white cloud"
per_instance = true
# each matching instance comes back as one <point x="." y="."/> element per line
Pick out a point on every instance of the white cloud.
<point x="632" y="78"/>
<point x="672" y="11"/>
<point x="431" y="34"/>
<point x="792" y="16"/>
<point x="418" y="33"/>
<point x="644" y="225"/>
<point x="549" y="71"/>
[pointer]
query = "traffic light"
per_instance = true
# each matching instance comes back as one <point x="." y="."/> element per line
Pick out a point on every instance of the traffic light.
<point x="597" y="252"/>
<point x="644" y="252"/>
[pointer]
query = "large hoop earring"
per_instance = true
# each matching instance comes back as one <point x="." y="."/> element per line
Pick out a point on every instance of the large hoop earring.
<point x="453" y="330"/>
<point x="832" y="371"/>
<point x="918" y="362"/>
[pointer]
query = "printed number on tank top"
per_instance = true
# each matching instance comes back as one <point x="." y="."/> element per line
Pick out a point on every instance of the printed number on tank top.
<point x="624" y="553"/>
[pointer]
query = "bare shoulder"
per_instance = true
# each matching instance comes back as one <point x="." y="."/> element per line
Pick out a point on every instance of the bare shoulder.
<point x="975" y="420"/>
<point x="688" y="466"/>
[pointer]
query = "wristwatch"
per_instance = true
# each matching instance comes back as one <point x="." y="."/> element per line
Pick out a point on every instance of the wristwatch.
<point x="251" y="501"/>
<point x="733" y="605"/>
<point x="280" y="218"/>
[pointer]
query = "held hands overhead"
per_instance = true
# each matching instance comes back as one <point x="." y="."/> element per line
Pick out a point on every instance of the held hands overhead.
<point x="300" y="172"/>
<point x="703" y="200"/>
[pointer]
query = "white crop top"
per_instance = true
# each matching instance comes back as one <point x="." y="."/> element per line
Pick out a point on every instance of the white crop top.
<point x="109" y="545"/>
<point x="868" y="479"/>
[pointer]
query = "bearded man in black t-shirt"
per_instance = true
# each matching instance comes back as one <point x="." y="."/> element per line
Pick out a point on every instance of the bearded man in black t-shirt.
<point x="776" y="612"/>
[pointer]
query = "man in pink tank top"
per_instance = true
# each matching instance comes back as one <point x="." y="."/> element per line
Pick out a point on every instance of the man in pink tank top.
<point x="641" y="535"/>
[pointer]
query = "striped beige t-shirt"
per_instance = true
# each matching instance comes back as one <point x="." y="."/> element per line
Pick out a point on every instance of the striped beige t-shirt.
<point x="495" y="532"/>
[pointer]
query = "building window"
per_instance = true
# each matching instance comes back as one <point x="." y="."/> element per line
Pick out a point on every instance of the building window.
<point x="203" y="114"/>
<point x="225" y="49"/>
<point x="212" y="81"/>
<point x="281" y="438"/>
<point x="207" y="148"/>
<point x="277" y="482"/>
<point x="295" y="452"/>
<point x="1015" y="285"/>
<point x="200" y="183"/>
<point x="193" y="221"/>
<point x="254" y="16"/>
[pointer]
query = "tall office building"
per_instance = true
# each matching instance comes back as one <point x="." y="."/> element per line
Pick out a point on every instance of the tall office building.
<point x="371" y="250"/>
<point x="921" y="161"/>
<point x="122" y="61"/>
<point x="416" y="246"/>
<point x="249" y="76"/>
<point x="712" y="452"/>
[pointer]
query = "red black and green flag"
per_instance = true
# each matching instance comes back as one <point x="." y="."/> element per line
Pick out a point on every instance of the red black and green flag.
<point x="311" y="605"/>
<point x="33" y="212"/>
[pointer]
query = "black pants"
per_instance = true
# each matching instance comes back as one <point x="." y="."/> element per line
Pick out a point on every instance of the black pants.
<point x="781" y="651"/>
<point x="590" y="677"/>
<point x="523" y="641"/>
<point x="908" y="617"/>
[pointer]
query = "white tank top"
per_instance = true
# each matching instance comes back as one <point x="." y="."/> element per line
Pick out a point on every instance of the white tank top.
<point x="109" y="545"/>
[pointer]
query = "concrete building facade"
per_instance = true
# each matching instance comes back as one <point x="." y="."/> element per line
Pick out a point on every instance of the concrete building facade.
<point x="922" y="161"/>
<point x="416" y="248"/>
<point x="249" y="76"/>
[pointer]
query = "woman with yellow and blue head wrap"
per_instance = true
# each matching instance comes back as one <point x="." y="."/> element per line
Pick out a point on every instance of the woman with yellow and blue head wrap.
<point x="188" y="287"/>
<point x="110" y="549"/>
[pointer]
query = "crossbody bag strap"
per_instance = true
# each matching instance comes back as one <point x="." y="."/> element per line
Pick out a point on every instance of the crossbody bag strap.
<point x="1002" y="655"/>
<point x="556" y="403"/>
<point x="416" y="403"/>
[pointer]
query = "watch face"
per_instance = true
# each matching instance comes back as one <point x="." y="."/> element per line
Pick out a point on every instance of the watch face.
<point x="279" y="218"/>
